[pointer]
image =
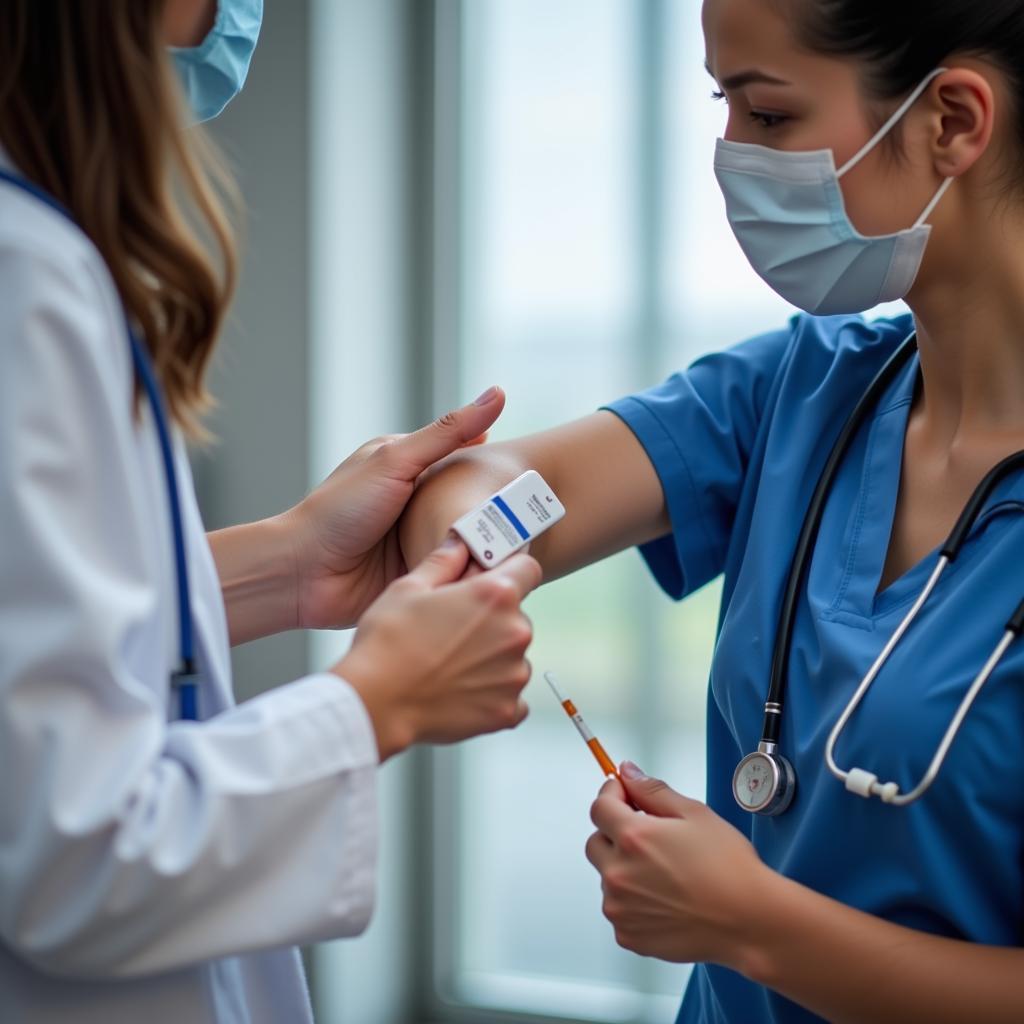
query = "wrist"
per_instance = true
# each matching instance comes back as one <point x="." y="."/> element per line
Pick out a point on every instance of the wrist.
<point x="392" y="725"/>
<point x="291" y="527"/>
<point x="752" y="954"/>
<point x="257" y="570"/>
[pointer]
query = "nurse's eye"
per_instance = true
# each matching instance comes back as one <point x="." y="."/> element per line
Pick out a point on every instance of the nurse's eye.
<point x="768" y="121"/>
<point x="717" y="94"/>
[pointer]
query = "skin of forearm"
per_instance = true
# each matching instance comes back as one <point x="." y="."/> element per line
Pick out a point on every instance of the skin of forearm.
<point x="257" y="570"/>
<point x="852" y="968"/>
<point x="612" y="495"/>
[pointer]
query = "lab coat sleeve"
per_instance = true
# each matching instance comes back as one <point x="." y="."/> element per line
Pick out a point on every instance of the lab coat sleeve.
<point x="129" y="845"/>
<point x="698" y="429"/>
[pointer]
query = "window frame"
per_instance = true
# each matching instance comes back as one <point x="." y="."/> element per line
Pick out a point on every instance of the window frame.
<point x="445" y="193"/>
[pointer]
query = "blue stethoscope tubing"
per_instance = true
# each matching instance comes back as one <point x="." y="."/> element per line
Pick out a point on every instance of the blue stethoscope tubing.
<point x="858" y="780"/>
<point x="184" y="679"/>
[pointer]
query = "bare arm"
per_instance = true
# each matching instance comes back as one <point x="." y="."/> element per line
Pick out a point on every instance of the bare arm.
<point x="597" y="467"/>
<point x="322" y="563"/>
<point x="682" y="884"/>
<point x="257" y="569"/>
<point x="851" y="967"/>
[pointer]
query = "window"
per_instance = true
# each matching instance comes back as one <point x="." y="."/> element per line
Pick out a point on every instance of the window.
<point x="578" y="251"/>
<point x="595" y="258"/>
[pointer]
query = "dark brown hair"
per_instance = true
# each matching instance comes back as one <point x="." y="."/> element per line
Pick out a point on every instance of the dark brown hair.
<point x="901" y="41"/>
<point x="90" y="110"/>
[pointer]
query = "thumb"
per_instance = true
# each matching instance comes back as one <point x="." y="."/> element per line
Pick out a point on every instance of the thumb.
<point x="450" y="432"/>
<point x="443" y="565"/>
<point x="652" y="795"/>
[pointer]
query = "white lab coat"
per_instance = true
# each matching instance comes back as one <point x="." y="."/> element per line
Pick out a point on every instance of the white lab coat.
<point x="151" y="870"/>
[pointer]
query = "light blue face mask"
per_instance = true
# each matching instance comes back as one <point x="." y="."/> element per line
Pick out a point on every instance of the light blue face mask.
<point x="213" y="73"/>
<point x="788" y="214"/>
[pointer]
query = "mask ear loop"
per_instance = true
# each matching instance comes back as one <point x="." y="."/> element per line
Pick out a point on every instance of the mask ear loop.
<point x="890" y="124"/>
<point x="943" y="188"/>
<point x="888" y="127"/>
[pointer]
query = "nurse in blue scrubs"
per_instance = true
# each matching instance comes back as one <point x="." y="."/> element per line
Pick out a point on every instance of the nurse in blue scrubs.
<point x="873" y="151"/>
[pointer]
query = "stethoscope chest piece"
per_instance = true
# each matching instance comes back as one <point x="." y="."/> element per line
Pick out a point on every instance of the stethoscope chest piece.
<point x="764" y="782"/>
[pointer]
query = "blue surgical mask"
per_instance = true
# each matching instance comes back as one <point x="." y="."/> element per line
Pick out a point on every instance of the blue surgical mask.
<point x="787" y="212"/>
<point x="213" y="73"/>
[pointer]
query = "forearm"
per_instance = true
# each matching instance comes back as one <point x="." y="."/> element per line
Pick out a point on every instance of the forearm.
<point x="596" y="466"/>
<point x="852" y="968"/>
<point x="257" y="570"/>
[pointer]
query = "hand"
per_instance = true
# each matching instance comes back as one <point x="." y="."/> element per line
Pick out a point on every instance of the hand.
<point x="438" y="658"/>
<point x="343" y="534"/>
<point x="678" y="880"/>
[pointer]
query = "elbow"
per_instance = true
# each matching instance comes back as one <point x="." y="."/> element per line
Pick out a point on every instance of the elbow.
<point x="448" y="490"/>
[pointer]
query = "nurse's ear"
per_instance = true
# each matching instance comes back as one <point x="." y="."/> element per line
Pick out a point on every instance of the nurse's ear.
<point x="962" y="112"/>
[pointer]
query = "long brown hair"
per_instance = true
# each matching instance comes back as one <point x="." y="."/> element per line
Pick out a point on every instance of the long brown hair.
<point x="90" y="111"/>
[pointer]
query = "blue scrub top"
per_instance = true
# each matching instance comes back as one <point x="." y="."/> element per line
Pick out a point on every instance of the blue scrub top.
<point x="739" y="441"/>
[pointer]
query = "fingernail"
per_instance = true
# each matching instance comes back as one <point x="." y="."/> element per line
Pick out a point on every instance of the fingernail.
<point x="451" y="541"/>
<point x="631" y="771"/>
<point x="487" y="397"/>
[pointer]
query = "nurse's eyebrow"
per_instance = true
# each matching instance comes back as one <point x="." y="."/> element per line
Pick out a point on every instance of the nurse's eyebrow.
<point x="742" y="78"/>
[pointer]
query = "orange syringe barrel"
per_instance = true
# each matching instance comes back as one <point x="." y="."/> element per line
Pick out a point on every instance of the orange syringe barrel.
<point x="607" y="766"/>
<point x="600" y="754"/>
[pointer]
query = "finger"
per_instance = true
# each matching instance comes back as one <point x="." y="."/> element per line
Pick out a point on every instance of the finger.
<point x="611" y="814"/>
<point x="522" y="712"/>
<point x="482" y="439"/>
<point x="599" y="851"/>
<point x="654" y="796"/>
<point x="448" y="433"/>
<point x="615" y="788"/>
<point x="443" y="565"/>
<point x="612" y="788"/>
<point x="525" y="572"/>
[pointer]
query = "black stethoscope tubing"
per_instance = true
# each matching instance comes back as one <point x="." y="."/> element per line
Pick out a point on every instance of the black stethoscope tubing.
<point x="800" y="564"/>
<point x="808" y="536"/>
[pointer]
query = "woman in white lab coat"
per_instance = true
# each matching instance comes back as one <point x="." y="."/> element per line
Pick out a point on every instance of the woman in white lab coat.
<point x="154" y="868"/>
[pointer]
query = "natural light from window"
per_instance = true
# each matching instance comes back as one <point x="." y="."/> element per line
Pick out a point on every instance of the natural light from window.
<point x="552" y="280"/>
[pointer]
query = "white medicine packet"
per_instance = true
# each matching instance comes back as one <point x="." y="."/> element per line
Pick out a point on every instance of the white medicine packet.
<point x="510" y="519"/>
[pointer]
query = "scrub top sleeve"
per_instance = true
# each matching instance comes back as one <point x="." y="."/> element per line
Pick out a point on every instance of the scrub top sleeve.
<point x="698" y="429"/>
<point x="129" y="845"/>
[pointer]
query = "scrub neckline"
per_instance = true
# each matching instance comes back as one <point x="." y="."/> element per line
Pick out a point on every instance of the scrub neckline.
<point x="858" y="597"/>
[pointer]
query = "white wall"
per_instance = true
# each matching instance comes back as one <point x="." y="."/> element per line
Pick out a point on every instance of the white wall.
<point x="261" y="377"/>
<point x="318" y="360"/>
